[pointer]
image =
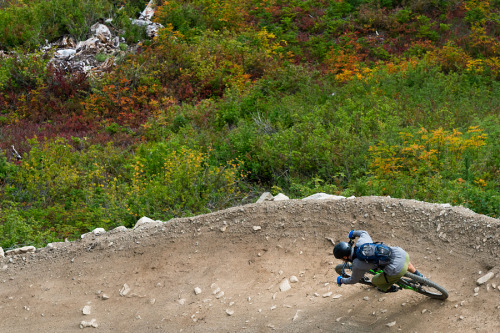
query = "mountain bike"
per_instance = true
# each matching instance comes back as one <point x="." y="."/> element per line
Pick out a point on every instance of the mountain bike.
<point x="409" y="281"/>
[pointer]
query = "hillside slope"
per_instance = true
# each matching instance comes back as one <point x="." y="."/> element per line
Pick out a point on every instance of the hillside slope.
<point x="220" y="272"/>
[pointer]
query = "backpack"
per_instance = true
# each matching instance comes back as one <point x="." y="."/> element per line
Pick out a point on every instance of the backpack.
<point x="375" y="253"/>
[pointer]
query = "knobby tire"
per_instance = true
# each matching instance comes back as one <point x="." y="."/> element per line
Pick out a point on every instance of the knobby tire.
<point x="424" y="286"/>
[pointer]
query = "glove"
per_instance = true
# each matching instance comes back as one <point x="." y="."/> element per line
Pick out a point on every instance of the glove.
<point x="351" y="234"/>
<point x="339" y="280"/>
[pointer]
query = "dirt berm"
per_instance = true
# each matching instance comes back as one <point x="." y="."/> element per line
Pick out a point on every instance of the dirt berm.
<point x="221" y="272"/>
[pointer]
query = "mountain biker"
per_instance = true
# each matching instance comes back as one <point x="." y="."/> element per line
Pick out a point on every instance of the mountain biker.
<point x="399" y="263"/>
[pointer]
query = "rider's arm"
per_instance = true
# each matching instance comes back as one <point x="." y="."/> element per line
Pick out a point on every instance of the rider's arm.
<point x="359" y="268"/>
<point x="364" y="237"/>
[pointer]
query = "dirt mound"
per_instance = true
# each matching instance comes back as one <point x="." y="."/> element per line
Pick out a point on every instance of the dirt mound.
<point x="224" y="272"/>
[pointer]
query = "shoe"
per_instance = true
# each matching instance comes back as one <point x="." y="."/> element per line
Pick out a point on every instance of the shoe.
<point x="391" y="289"/>
<point x="417" y="273"/>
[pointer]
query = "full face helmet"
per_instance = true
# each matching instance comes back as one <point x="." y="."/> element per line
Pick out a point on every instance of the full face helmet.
<point x="341" y="250"/>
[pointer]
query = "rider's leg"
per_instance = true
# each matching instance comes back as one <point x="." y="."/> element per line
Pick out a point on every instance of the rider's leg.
<point x="413" y="270"/>
<point x="384" y="281"/>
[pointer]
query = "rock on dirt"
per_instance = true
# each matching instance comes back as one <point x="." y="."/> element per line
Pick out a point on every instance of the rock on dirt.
<point x="485" y="278"/>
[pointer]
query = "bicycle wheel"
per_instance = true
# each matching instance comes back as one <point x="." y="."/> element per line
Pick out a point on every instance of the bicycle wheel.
<point x="423" y="286"/>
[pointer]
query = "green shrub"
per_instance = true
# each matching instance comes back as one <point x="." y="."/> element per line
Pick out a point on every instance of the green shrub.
<point x="6" y="168"/>
<point x="426" y="29"/>
<point x="101" y="57"/>
<point x="184" y="17"/>
<point x="132" y="33"/>
<point x="23" y="72"/>
<point x="32" y="24"/>
<point x="17" y="231"/>
<point x="403" y="15"/>
<point x="168" y="182"/>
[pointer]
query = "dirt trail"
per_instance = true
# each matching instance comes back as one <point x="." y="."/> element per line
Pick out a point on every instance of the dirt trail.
<point x="221" y="272"/>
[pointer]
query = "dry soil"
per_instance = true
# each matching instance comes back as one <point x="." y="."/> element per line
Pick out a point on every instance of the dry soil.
<point x="221" y="272"/>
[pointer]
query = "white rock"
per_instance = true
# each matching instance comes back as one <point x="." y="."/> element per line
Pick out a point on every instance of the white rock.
<point x="65" y="53"/>
<point x="119" y="229"/>
<point x="328" y="294"/>
<point x="485" y="278"/>
<point x="293" y="279"/>
<point x="21" y="250"/>
<point x="281" y="197"/>
<point x="323" y="196"/>
<point x="104" y="296"/>
<point x="2" y="254"/>
<point x="181" y="301"/>
<point x="336" y="296"/>
<point x="285" y="285"/>
<point x="197" y="290"/>
<point x="256" y="228"/>
<point x="56" y="245"/>
<point x="296" y="316"/>
<point x="124" y="290"/>
<point x="230" y="312"/>
<point x="101" y="29"/>
<point x="153" y="28"/>
<point x="140" y="23"/>
<point x="98" y="231"/>
<point x="390" y="324"/>
<point x="89" y="44"/>
<point x="28" y="249"/>
<point x="148" y="13"/>
<point x="145" y="220"/>
<point x="366" y="298"/>
<point x="92" y="323"/>
<point x="219" y="295"/>
<point x="86" y="310"/>
<point x="266" y="196"/>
